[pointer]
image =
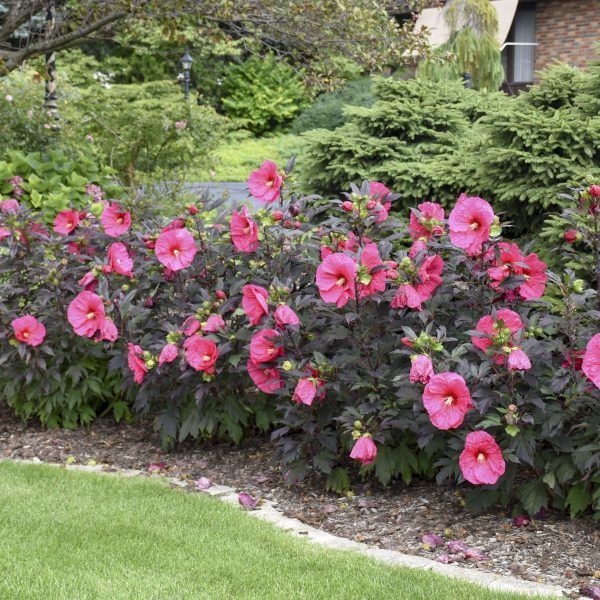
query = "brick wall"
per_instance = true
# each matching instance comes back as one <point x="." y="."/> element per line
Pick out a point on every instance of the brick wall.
<point x="566" y="30"/>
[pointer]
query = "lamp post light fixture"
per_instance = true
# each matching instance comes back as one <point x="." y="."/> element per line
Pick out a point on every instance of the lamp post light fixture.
<point x="186" y="63"/>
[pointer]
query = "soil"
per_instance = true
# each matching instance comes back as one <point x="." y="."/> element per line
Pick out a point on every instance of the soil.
<point x="551" y="550"/>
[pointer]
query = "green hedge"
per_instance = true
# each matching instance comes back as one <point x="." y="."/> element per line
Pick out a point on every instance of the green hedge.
<point x="327" y="112"/>
<point x="429" y="140"/>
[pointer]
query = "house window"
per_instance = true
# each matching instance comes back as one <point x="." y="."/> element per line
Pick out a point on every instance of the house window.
<point x="518" y="57"/>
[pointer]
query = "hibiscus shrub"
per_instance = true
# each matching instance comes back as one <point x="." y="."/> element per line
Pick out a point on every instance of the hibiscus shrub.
<point x="431" y="349"/>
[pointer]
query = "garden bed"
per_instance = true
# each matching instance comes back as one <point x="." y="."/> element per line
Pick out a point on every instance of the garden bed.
<point x="552" y="550"/>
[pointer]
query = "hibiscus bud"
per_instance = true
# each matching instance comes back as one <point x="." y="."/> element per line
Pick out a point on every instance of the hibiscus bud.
<point x="192" y="209"/>
<point x="287" y="223"/>
<point x="125" y="287"/>
<point x="392" y="274"/>
<point x="151" y="363"/>
<point x="149" y="244"/>
<point x="371" y="204"/>
<point x="512" y="408"/>
<point x="347" y="206"/>
<point x="96" y="208"/>
<point x="357" y="425"/>
<point x="570" y="236"/>
<point x="295" y="209"/>
<point x="578" y="285"/>
<point x="221" y="295"/>
<point x="277" y="215"/>
<point x="405" y="263"/>
<point x="495" y="229"/>
<point x="287" y="365"/>
<point x="149" y="302"/>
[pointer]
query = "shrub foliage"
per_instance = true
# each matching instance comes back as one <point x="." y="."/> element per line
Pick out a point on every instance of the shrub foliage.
<point x="428" y="139"/>
<point x="438" y="359"/>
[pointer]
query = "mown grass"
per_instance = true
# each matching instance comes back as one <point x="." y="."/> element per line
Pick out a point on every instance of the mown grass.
<point x="239" y="154"/>
<point x="68" y="535"/>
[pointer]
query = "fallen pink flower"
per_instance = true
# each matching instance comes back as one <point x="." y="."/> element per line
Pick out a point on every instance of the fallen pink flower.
<point x="247" y="501"/>
<point x="591" y="592"/>
<point x="432" y="540"/>
<point x="521" y="521"/>
<point x="475" y="555"/>
<point x="456" y="547"/>
<point x="445" y="559"/>
<point x="203" y="484"/>
<point x="156" y="467"/>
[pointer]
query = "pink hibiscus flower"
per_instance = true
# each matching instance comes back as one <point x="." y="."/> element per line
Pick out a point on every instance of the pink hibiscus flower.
<point x="266" y="378"/>
<point x="66" y="221"/>
<point x="10" y="206"/>
<point x="285" y="316"/>
<point x="406" y="296"/>
<point x="263" y="347"/>
<point x="265" y="183"/>
<point x="418" y="246"/>
<point x="305" y="392"/>
<point x="470" y="223"/>
<point x="508" y="263"/>
<point x="481" y="461"/>
<point x="428" y="223"/>
<point x="591" y="360"/>
<point x="254" y="303"/>
<point x="178" y="223"/>
<point x="370" y="282"/>
<point x="86" y="314"/>
<point x="500" y="332"/>
<point x="535" y="278"/>
<point x="336" y="277"/>
<point x="379" y="193"/>
<point x="175" y="249"/>
<point x="430" y="276"/>
<point x="447" y="399"/>
<point x="213" y="324"/>
<point x="364" y="450"/>
<point x="168" y="354"/>
<point x="119" y="260"/>
<point x="190" y="326"/>
<point x="518" y="360"/>
<point x="136" y="362"/>
<point x="115" y="220"/>
<point x="4" y="233"/>
<point x="244" y="231"/>
<point x="421" y="369"/>
<point x="201" y="353"/>
<point x="89" y="281"/>
<point x="29" y="330"/>
<point x="107" y="331"/>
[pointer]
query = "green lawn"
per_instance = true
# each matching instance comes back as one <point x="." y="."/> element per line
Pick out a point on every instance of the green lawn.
<point x="68" y="535"/>
<point x="238" y="155"/>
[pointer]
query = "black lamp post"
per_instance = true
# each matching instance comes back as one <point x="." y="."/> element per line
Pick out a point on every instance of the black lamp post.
<point x="50" y="98"/>
<point x="186" y="63"/>
<point x="468" y="80"/>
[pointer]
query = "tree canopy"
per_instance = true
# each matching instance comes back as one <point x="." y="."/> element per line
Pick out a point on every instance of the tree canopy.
<point x="308" y="31"/>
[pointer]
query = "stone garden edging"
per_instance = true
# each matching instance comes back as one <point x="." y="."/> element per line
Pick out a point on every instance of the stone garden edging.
<point x="267" y="512"/>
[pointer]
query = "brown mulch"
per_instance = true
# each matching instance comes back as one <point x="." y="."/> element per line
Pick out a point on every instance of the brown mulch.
<point x="552" y="550"/>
